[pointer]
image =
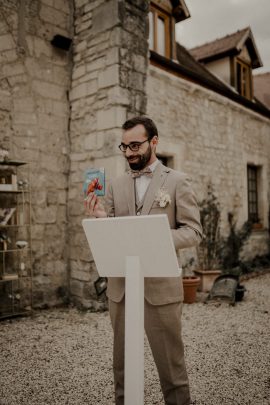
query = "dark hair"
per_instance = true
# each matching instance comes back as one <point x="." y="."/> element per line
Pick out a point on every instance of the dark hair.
<point x="149" y="125"/>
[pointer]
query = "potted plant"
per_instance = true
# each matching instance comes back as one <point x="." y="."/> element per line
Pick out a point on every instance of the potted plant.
<point x="208" y="250"/>
<point x="190" y="286"/>
<point x="191" y="283"/>
<point x="231" y="247"/>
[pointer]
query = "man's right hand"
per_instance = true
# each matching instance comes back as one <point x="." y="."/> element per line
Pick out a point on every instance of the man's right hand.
<point x="94" y="208"/>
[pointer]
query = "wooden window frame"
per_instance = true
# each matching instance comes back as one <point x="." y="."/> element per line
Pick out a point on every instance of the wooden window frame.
<point x="168" y="24"/>
<point x="244" y="89"/>
<point x="253" y="195"/>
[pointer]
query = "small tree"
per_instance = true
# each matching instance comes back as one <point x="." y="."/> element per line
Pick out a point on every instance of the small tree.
<point x="208" y="251"/>
<point x="231" y="247"/>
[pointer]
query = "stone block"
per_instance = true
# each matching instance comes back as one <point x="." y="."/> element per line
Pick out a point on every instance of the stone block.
<point x="18" y="80"/>
<point x="37" y="231"/>
<point x="83" y="90"/>
<point x="8" y="56"/>
<point x="95" y="64"/>
<point x="49" y="90"/>
<point x="61" y="215"/>
<point x="79" y="265"/>
<point x="116" y="37"/>
<point x="140" y="63"/>
<point x="62" y="197"/>
<point x="81" y="3"/>
<point x="98" y="39"/>
<point x="38" y="249"/>
<point x="24" y="105"/>
<point x="76" y="207"/>
<point x="53" y="16"/>
<point x="5" y="100"/>
<point x="13" y="69"/>
<point x="78" y="157"/>
<point x="90" y="142"/>
<point x="54" y="269"/>
<point x="105" y="17"/>
<point x="78" y="71"/>
<point x="77" y="58"/>
<point x="100" y="139"/>
<point x="25" y="118"/>
<point x="136" y="80"/>
<point x="7" y="42"/>
<point x="88" y="8"/>
<point x="78" y="92"/>
<point x="74" y="192"/>
<point x="45" y="215"/>
<point x="86" y="25"/>
<point x="111" y="118"/>
<point x="88" y="291"/>
<point x="52" y="198"/>
<point x="76" y="287"/>
<point x="50" y="3"/>
<point x="112" y="56"/>
<point x="42" y="47"/>
<point x="78" y="252"/>
<point x="109" y="77"/>
<point x="118" y="95"/>
<point x="86" y="17"/>
<point x="62" y="5"/>
<point x="80" y="46"/>
<point x="60" y="108"/>
<point x="89" y="76"/>
<point x="80" y="275"/>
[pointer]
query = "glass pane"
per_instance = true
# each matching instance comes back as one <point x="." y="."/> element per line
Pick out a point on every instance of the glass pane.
<point x="151" y="30"/>
<point x="252" y="194"/>
<point x="238" y="78"/>
<point x="161" y="36"/>
<point x="244" y="81"/>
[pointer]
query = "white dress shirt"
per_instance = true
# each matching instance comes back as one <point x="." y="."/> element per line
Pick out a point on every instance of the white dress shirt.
<point x="142" y="182"/>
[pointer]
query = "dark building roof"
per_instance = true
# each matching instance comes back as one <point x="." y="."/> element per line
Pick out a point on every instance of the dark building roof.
<point x="180" y="10"/>
<point x="262" y="88"/>
<point x="232" y="44"/>
<point x="187" y="61"/>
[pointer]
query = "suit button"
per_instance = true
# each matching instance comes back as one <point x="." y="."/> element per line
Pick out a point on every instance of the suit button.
<point x="138" y="213"/>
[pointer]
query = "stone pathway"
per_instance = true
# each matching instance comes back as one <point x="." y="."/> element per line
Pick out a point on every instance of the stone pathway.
<point x="63" y="357"/>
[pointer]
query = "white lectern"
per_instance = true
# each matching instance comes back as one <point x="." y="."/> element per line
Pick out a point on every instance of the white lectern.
<point x="134" y="248"/>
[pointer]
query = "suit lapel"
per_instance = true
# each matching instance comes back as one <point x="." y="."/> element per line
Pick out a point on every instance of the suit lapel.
<point x="130" y="194"/>
<point x="157" y="181"/>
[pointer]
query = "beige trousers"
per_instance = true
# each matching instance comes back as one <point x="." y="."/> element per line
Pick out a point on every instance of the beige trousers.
<point x="163" y="330"/>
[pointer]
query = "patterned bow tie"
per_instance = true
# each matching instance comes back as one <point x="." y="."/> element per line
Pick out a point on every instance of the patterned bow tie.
<point x="138" y="173"/>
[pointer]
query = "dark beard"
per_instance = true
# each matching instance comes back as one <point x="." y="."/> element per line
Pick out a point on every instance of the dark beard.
<point x="143" y="160"/>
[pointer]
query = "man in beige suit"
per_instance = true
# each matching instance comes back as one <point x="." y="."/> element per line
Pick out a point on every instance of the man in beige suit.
<point x="151" y="188"/>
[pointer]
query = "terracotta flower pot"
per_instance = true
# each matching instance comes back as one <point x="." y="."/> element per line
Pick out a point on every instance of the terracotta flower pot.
<point x="190" y="284"/>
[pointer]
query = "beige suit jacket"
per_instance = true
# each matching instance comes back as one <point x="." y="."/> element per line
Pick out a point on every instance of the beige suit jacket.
<point x="184" y="219"/>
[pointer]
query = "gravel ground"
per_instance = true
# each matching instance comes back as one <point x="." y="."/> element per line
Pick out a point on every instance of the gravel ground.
<point x="63" y="356"/>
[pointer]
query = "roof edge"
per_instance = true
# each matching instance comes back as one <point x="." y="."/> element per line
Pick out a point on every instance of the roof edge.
<point x="180" y="10"/>
<point x="247" y="40"/>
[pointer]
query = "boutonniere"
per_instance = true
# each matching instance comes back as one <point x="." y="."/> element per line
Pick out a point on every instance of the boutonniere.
<point x="163" y="198"/>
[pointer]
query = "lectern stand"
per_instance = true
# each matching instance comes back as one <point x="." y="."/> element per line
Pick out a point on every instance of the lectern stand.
<point x="134" y="248"/>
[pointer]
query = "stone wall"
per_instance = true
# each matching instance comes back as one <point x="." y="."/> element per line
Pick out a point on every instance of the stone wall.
<point x="213" y="139"/>
<point x="34" y="114"/>
<point x="108" y="85"/>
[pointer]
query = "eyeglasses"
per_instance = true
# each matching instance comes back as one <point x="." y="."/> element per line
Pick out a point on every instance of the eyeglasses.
<point x="133" y="146"/>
